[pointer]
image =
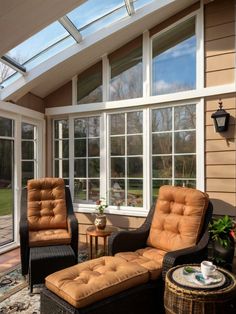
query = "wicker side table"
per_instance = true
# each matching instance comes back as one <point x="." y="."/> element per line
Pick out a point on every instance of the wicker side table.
<point x="180" y="298"/>
<point x="46" y="260"/>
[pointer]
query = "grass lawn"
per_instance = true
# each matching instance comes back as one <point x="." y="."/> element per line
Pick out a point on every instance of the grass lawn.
<point x="6" y="201"/>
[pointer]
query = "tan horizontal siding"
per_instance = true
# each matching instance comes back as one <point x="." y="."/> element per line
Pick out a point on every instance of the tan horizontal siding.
<point x="214" y="171"/>
<point x="221" y="185"/>
<point x="220" y="62"/>
<point x="222" y="77"/>
<point x="220" y="46"/>
<point x="212" y="135"/>
<point x="223" y="12"/>
<point x="220" y="145"/>
<point x="220" y="158"/>
<point x="229" y="102"/>
<point x="220" y="31"/>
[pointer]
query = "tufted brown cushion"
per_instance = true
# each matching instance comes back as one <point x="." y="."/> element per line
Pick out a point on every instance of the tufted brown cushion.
<point x="91" y="281"/>
<point x="150" y="258"/>
<point x="49" y="237"/>
<point x="178" y="218"/>
<point x="46" y="204"/>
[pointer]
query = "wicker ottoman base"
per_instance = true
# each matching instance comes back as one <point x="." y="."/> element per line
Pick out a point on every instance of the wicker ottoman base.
<point x="46" y="260"/>
<point x="138" y="300"/>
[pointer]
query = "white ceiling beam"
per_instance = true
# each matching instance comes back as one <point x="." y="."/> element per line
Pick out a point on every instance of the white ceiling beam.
<point x="71" y="29"/>
<point x="129" y="7"/>
<point x="13" y="64"/>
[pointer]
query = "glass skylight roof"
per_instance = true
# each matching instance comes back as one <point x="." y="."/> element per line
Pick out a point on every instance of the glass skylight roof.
<point x="89" y="17"/>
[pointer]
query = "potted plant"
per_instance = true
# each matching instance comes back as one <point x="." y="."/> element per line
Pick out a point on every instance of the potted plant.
<point x="100" y="220"/>
<point x="222" y="235"/>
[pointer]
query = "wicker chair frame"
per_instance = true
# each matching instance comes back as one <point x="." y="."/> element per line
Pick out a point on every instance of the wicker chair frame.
<point x="24" y="230"/>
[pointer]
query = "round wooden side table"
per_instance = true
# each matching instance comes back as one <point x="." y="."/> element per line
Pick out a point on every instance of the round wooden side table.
<point x="183" y="297"/>
<point x="92" y="232"/>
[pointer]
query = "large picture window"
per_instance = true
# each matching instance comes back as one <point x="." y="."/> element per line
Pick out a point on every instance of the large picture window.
<point x="126" y="159"/>
<point x="174" y="59"/>
<point x="86" y="159"/>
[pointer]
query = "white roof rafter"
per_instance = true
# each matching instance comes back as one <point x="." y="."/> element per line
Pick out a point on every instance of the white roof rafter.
<point x="71" y="29"/>
<point x="129" y="7"/>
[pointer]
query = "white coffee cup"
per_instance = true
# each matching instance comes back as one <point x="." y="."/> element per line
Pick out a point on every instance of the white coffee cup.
<point x="207" y="269"/>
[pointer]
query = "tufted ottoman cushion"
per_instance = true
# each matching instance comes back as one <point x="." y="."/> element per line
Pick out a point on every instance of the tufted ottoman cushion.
<point x="94" y="280"/>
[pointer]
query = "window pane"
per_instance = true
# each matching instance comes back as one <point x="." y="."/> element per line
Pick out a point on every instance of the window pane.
<point x="117" y="146"/>
<point x="134" y="122"/>
<point x="93" y="190"/>
<point x="135" y="167"/>
<point x="93" y="126"/>
<point x="185" y="142"/>
<point x="93" y="167"/>
<point x="162" y="143"/>
<point x="6" y="127"/>
<point x="27" y="131"/>
<point x="174" y="59"/>
<point x="93" y="147"/>
<point x="135" y="193"/>
<point x="117" y="167"/>
<point x="117" y="123"/>
<point x="117" y="196"/>
<point x="185" y="166"/>
<point x="5" y="72"/>
<point x="61" y="149"/>
<point x="80" y="148"/>
<point x="162" y="167"/>
<point x="61" y="168"/>
<point x="27" y="149"/>
<point x="80" y="168"/>
<point x="80" y="126"/>
<point x="135" y="145"/>
<point x="61" y="129"/>
<point x="27" y="171"/>
<point x="126" y="71"/>
<point x="90" y="85"/>
<point x="79" y="190"/>
<point x="162" y="119"/>
<point x="185" y="117"/>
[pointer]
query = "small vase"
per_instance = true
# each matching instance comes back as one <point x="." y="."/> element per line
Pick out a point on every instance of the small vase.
<point x="100" y="222"/>
<point x="223" y="255"/>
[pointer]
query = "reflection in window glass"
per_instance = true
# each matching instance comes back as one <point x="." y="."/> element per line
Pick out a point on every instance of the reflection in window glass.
<point x="87" y="160"/>
<point x="126" y="159"/>
<point x="126" y="71"/>
<point x="90" y="85"/>
<point x="5" y="72"/>
<point x="173" y="147"/>
<point x="174" y="59"/>
<point x="61" y="149"/>
<point x="6" y="127"/>
<point x="28" y="152"/>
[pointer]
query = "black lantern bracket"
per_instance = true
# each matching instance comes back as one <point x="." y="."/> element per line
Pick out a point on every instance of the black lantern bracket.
<point x="221" y="118"/>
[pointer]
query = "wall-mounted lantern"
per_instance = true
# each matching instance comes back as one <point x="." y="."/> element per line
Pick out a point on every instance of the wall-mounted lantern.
<point x="221" y="118"/>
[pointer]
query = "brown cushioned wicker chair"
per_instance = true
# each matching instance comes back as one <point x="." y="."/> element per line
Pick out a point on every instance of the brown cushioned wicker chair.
<point x="47" y="219"/>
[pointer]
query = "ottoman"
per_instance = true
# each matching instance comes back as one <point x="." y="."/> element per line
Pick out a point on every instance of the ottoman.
<point x="97" y="286"/>
<point x="48" y="259"/>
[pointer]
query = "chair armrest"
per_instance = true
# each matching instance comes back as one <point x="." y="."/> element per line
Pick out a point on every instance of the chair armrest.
<point x="74" y="231"/>
<point x="124" y="241"/>
<point x="194" y="254"/>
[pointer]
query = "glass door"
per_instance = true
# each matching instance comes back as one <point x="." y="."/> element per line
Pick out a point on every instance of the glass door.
<point x="6" y="181"/>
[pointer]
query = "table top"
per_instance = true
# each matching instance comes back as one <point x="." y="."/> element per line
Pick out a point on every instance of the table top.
<point x="176" y="278"/>
<point x="93" y="231"/>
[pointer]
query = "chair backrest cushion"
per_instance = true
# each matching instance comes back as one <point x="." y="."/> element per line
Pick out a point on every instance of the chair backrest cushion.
<point x="178" y="218"/>
<point x="46" y="205"/>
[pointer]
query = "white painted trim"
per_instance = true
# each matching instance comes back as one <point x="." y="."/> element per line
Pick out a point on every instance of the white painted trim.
<point x="109" y="105"/>
<point x="147" y="165"/>
<point x="146" y="64"/>
<point x="71" y="155"/>
<point x="105" y="78"/>
<point x="74" y="90"/>
<point x="200" y="145"/>
<point x="200" y="48"/>
<point x="16" y="109"/>
<point x="103" y="161"/>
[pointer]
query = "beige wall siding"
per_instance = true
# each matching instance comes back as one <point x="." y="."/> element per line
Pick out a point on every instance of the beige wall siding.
<point x="60" y="97"/>
<point x="219" y="43"/>
<point x="121" y="222"/>
<point x="32" y="101"/>
<point x="220" y="157"/>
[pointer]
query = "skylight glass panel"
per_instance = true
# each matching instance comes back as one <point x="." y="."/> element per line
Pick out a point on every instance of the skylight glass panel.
<point x="5" y="72"/>
<point x="40" y="42"/>
<point x="95" y="14"/>
<point x="141" y="3"/>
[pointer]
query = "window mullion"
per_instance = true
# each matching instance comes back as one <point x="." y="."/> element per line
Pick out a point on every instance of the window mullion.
<point x="71" y="156"/>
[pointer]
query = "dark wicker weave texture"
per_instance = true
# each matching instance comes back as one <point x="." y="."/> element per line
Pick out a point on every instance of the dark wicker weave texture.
<point x="46" y="260"/>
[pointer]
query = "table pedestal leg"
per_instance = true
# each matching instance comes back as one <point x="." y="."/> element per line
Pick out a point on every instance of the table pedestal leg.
<point x="90" y="247"/>
<point x="96" y="246"/>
